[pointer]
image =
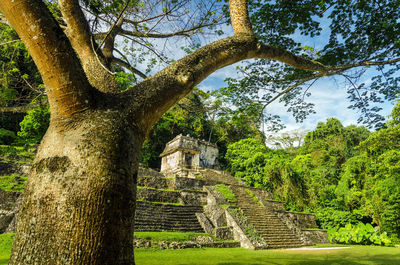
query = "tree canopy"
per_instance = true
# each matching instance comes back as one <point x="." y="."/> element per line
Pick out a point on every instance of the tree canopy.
<point x="79" y="200"/>
<point x="355" y="38"/>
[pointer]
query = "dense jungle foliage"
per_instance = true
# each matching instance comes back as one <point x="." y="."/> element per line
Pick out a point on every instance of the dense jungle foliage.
<point x="342" y="174"/>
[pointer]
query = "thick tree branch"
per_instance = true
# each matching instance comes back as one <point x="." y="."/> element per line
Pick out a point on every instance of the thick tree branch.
<point x="66" y="85"/>
<point x="270" y="52"/>
<point x="240" y="19"/>
<point x="77" y="27"/>
<point x="175" y="81"/>
<point x="79" y="34"/>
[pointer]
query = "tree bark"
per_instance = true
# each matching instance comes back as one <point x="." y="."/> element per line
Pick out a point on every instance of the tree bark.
<point x="79" y="202"/>
<point x="92" y="59"/>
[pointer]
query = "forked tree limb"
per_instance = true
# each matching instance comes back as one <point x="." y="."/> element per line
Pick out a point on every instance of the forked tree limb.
<point x="240" y="20"/>
<point x="79" y="34"/>
<point x="177" y="79"/>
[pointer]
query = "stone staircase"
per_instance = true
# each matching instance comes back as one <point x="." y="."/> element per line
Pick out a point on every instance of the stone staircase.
<point x="275" y="233"/>
<point x="166" y="217"/>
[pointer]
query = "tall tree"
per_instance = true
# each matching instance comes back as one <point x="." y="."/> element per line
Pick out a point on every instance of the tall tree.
<point x="79" y="202"/>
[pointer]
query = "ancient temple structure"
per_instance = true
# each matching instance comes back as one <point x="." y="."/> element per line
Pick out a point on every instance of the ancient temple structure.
<point x="185" y="152"/>
<point x="189" y="195"/>
<point x="185" y="196"/>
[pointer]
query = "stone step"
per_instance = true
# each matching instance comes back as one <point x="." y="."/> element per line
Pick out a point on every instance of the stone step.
<point x="275" y="233"/>
<point x="283" y="246"/>
<point x="270" y="226"/>
<point x="165" y="217"/>
<point x="277" y="239"/>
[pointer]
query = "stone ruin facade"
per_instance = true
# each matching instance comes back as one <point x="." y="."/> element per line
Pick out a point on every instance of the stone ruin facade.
<point x="185" y="152"/>
<point x="184" y="197"/>
<point x="186" y="194"/>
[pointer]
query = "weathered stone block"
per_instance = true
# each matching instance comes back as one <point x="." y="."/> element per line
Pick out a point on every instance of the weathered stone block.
<point x="214" y="197"/>
<point x="153" y="195"/>
<point x="302" y="220"/>
<point x="154" y="182"/>
<point x="238" y="233"/>
<point x="204" y="240"/>
<point x="9" y="202"/>
<point x="181" y="183"/>
<point x="5" y="220"/>
<point x="317" y="236"/>
<point x="216" y="214"/>
<point x="193" y="197"/>
<point x="224" y="233"/>
<point x="205" y="223"/>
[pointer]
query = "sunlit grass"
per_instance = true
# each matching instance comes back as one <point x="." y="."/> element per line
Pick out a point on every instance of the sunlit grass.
<point x="355" y="255"/>
<point x="238" y="256"/>
<point x="5" y="247"/>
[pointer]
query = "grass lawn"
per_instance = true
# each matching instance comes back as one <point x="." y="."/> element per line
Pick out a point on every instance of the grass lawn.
<point x="5" y="247"/>
<point x="355" y="255"/>
<point x="237" y="256"/>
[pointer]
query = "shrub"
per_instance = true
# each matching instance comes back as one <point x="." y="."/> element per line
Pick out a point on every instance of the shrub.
<point x="363" y="234"/>
<point x="7" y="137"/>
<point x="329" y="217"/>
<point x="226" y="192"/>
<point x="35" y="124"/>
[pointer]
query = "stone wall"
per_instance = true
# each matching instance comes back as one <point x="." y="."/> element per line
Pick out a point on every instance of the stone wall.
<point x="172" y="196"/>
<point x="9" y="202"/>
<point x="153" y="182"/>
<point x="166" y="217"/>
<point x="193" y="197"/>
<point x="208" y="155"/>
<point x="302" y="220"/>
<point x="183" y="183"/>
<point x="171" y="162"/>
<point x="317" y="236"/>
<point x="154" y="195"/>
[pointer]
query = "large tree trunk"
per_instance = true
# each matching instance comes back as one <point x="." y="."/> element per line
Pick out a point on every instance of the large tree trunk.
<point x="79" y="203"/>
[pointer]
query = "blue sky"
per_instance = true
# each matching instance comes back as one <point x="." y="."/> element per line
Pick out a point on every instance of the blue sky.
<point x="328" y="94"/>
